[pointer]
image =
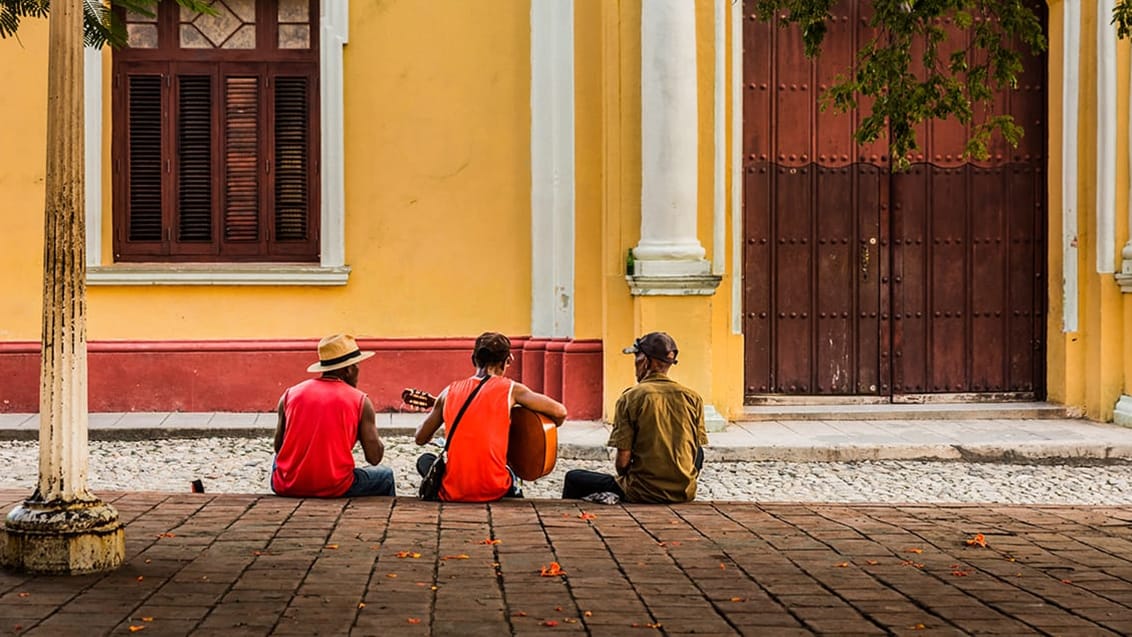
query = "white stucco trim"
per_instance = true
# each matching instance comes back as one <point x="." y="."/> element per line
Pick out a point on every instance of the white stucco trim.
<point x="1070" y="97"/>
<point x="719" y="140"/>
<point x="332" y="268"/>
<point x="737" y="167"/>
<point x="552" y="168"/>
<point x="92" y="153"/>
<point x="1106" y="139"/>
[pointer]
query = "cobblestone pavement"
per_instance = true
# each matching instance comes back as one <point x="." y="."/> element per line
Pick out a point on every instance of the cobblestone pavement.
<point x="258" y="565"/>
<point x="242" y="465"/>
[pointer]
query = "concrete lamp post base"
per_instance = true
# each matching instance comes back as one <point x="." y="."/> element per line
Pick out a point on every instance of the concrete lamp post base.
<point x="63" y="538"/>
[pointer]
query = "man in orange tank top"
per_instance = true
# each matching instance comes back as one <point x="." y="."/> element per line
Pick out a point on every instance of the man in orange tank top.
<point x="320" y="421"/>
<point x="477" y="468"/>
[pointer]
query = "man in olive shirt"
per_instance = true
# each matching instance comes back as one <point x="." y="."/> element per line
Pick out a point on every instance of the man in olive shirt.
<point x="658" y="431"/>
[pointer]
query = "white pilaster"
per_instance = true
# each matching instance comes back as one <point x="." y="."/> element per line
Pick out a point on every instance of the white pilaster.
<point x="1070" y="97"/>
<point x="1106" y="139"/>
<point x="737" y="167"/>
<point x="92" y="154"/>
<point x="1124" y="277"/>
<point x="1122" y="415"/>
<point x="552" y="168"/>
<point x="669" y="258"/>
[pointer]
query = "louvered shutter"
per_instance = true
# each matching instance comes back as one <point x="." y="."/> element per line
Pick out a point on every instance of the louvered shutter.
<point x="144" y="158"/>
<point x="292" y="158"/>
<point x="242" y="147"/>
<point x="194" y="158"/>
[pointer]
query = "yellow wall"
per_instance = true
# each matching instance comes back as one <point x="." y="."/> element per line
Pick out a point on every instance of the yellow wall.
<point x="437" y="153"/>
<point x="22" y="164"/>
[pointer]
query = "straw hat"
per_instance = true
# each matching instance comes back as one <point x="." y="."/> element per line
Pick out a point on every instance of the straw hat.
<point x="336" y="352"/>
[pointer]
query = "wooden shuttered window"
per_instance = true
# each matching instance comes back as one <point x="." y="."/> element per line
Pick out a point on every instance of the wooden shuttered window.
<point x="215" y="160"/>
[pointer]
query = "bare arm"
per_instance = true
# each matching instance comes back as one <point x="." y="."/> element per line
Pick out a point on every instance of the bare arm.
<point x="624" y="459"/>
<point x="281" y="425"/>
<point x="372" y="445"/>
<point x="433" y="421"/>
<point x="541" y="403"/>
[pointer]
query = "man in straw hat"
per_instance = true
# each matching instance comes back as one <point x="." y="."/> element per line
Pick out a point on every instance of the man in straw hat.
<point x="320" y="421"/>
<point x="658" y="432"/>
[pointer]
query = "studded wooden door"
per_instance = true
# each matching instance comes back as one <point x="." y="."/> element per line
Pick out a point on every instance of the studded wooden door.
<point x="863" y="282"/>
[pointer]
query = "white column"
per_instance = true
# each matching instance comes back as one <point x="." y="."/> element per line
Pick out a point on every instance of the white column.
<point x="63" y="528"/>
<point x="1124" y="277"/>
<point x="669" y="247"/>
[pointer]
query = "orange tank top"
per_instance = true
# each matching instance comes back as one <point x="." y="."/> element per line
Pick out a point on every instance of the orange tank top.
<point x="477" y="458"/>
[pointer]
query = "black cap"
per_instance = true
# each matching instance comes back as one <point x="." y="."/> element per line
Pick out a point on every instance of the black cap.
<point x="656" y="345"/>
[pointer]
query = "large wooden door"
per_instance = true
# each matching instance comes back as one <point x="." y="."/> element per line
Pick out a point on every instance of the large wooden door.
<point x="864" y="282"/>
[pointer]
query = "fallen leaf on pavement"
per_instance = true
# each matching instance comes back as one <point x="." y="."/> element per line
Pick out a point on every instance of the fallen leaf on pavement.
<point x="1066" y="581"/>
<point x="331" y="546"/>
<point x="842" y="565"/>
<point x="871" y="562"/>
<point x="404" y="554"/>
<point x="914" y="550"/>
<point x="24" y="594"/>
<point x="147" y="619"/>
<point x="738" y="599"/>
<point x="587" y="516"/>
<point x="978" y="540"/>
<point x="462" y="556"/>
<point x="414" y="620"/>
<point x="917" y="627"/>
<point x="550" y="622"/>
<point x="161" y="535"/>
<point x="489" y="540"/>
<point x="519" y="613"/>
<point x="361" y="604"/>
<point x="553" y="570"/>
<point x="134" y="629"/>
<point x="391" y="575"/>
<point x="140" y="577"/>
<point x="588" y="614"/>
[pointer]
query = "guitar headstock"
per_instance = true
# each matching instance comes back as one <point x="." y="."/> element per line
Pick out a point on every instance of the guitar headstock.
<point x="418" y="398"/>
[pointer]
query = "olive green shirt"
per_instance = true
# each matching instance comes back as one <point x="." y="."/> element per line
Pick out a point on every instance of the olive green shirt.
<point x="662" y="423"/>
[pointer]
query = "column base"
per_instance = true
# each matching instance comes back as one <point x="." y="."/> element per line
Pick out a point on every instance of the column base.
<point x="1124" y="278"/>
<point x="1122" y="415"/>
<point x="714" y="421"/>
<point x="62" y="538"/>
<point x="672" y="278"/>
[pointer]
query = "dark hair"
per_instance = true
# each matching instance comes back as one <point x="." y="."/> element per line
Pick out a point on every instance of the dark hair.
<point x="491" y="348"/>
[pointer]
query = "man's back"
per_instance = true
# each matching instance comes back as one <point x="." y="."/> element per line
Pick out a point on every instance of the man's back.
<point x="316" y="460"/>
<point x="661" y="421"/>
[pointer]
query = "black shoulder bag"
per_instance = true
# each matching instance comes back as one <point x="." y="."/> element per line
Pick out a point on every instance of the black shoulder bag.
<point x="430" y="483"/>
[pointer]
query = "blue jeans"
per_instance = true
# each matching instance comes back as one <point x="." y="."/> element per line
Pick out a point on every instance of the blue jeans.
<point x="372" y="480"/>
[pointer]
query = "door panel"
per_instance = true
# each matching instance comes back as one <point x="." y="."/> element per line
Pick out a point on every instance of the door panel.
<point x="860" y="281"/>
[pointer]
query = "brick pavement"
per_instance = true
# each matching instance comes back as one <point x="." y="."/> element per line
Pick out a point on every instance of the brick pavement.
<point x="238" y="565"/>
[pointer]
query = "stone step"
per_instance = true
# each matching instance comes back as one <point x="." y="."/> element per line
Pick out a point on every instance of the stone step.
<point x="902" y="411"/>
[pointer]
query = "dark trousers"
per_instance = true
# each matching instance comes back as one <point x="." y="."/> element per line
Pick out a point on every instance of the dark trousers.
<point x="579" y="483"/>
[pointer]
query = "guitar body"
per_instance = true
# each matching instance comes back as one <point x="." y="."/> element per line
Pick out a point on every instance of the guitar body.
<point x="533" y="447"/>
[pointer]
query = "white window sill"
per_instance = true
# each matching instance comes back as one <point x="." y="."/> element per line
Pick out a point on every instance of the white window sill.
<point x="217" y="274"/>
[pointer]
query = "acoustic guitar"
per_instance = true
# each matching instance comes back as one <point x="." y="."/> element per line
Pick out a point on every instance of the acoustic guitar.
<point x="532" y="447"/>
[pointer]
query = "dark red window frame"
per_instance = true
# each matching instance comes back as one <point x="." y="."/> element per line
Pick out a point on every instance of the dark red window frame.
<point x="216" y="151"/>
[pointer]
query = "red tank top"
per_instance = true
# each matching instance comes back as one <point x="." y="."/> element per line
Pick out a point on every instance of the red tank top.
<point x="477" y="458"/>
<point x="321" y="428"/>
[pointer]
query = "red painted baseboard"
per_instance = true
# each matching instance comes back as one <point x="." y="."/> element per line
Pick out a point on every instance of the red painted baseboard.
<point x="249" y="376"/>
